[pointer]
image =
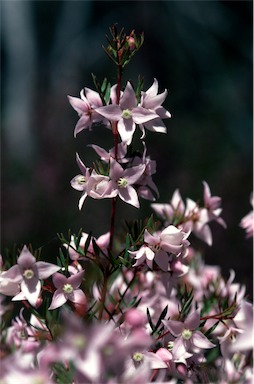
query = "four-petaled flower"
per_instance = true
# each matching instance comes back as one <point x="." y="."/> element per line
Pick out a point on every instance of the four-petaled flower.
<point x="127" y="114"/>
<point x="158" y="246"/>
<point x="28" y="272"/>
<point x="152" y="101"/>
<point x="187" y="335"/>
<point x="67" y="288"/>
<point x="85" y="106"/>
<point x="122" y="180"/>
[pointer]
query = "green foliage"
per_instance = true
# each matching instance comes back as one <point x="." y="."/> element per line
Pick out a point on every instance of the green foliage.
<point x="185" y="301"/>
<point x="103" y="89"/>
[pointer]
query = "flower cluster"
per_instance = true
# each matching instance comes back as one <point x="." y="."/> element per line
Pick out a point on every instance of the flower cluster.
<point x="142" y="307"/>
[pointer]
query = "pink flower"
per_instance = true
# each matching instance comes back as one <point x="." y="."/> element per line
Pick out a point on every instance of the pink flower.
<point x="27" y="272"/>
<point x="146" y="187"/>
<point x="247" y="221"/>
<point x="152" y="101"/>
<point x="90" y="100"/>
<point x="68" y="289"/>
<point x="158" y="246"/>
<point x="7" y="286"/>
<point x="213" y="205"/>
<point x="127" y="114"/>
<point x="121" y="182"/>
<point x="175" y="208"/>
<point x="102" y="242"/>
<point x="187" y="336"/>
<point x="106" y="156"/>
<point x="91" y="184"/>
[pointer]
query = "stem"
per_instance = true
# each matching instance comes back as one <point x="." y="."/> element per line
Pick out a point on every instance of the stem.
<point x="115" y="134"/>
<point x="112" y="223"/>
<point x="103" y="293"/>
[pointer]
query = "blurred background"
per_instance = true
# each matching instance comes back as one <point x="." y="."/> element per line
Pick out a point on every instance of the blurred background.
<point x="201" y="51"/>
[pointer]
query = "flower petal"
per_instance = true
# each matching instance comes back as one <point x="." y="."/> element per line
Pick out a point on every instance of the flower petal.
<point x="200" y="341"/>
<point x="31" y="289"/>
<point x="129" y="195"/>
<point x="175" y="327"/>
<point x="76" y="279"/>
<point x="59" y="280"/>
<point x="141" y="115"/>
<point x="111" y="112"/>
<point x="46" y="269"/>
<point x="77" y="296"/>
<point x="192" y="321"/>
<point x="58" y="300"/>
<point x="26" y="259"/>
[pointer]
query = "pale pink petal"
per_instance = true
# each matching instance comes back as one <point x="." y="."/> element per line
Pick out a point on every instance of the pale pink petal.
<point x="77" y="184"/>
<point x="46" y="269"/>
<point x="93" y="98"/>
<point x="76" y="280"/>
<point x="20" y="296"/>
<point x="134" y="173"/>
<point x="13" y="274"/>
<point x="175" y="327"/>
<point x="116" y="170"/>
<point x="161" y="258"/>
<point x="111" y="112"/>
<point x="204" y="234"/>
<point x="149" y="253"/>
<point x="31" y="289"/>
<point x="128" y="99"/>
<point x="155" y="101"/>
<point x="126" y="129"/>
<point x="153" y="90"/>
<point x="178" y="348"/>
<point x="192" y="321"/>
<point x="81" y="200"/>
<point x="129" y="195"/>
<point x="103" y="240"/>
<point x="58" y="299"/>
<point x="84" y="122"/>
<point x="156" y="125"/>
<point x="104" y="155"/>
<point x="200" y="341"/>
<point x="150" y="239"/>
<point x="77" y="296"/>
<point x="162" y="112"/>
<point x="59" y="280"/>
<point x="26" y="259"/>
<point x="164" y="354"/>
<point x="81" y="165"/>
<point x="9" y="287"/>
<point x="141" y="115"/>
<point x="80" y="106"/>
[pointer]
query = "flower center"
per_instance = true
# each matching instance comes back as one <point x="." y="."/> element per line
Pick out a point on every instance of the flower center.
<point x="28" y="274"/>
<point x="170" y="345"/>
<point x="22" y="334"/>
<point x="122" y="182"/>
<point x="81" y="180"/>
<point x="186" y="334"/>
<point x="67" y="288"/>
<point x="126" y="114"/>
<point x="138" y="357"/>
<point x="79" y="342"/>
<point x="155" y="247"/>
<point x="38" y="380"/>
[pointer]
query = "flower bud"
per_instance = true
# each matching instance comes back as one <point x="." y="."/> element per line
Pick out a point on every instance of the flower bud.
<point x="135" y="318"/>
<point x="131" y="42"/>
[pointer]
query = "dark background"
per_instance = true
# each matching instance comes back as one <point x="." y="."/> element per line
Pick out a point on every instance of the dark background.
<point x="201" y="51"/>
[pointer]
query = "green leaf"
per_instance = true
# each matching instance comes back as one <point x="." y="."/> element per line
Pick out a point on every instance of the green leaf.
<point x="162" y="316"/>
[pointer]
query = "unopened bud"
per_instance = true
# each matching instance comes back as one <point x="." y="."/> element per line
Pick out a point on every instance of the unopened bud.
<point x="135" y="318"/>
<point x="131" y="42"/>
